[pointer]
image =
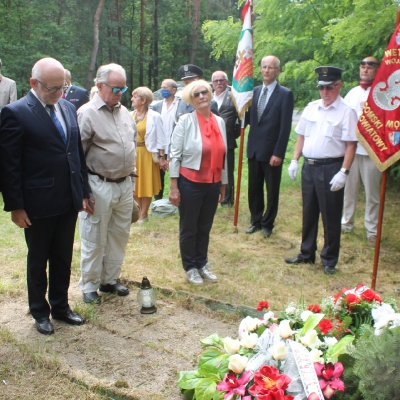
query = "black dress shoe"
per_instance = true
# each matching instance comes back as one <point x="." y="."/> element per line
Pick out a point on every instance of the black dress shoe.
<point x="91" y="297"/>
<point x="117" y="288"/>
<point x="70" y="318"/>
<point x="329" y="270"/>
<point x="44" y="326"/>
<point x="298" y="260"/>
<point x="266" y="232"/>
<point x="253" y="228"/>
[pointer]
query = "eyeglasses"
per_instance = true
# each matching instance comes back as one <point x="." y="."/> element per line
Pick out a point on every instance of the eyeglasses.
<point x="269" y="68"/>
<point x="116" y="89"/>
<point x="197" y="94"/>
<point x="327" y="87"/>
<point x="219" y="80"/>
<point x="53" y="89"/>
<point x="369" y="63"/>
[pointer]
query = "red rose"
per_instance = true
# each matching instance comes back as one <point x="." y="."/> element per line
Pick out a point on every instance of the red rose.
<point x="368" y="295"/>
<point x="262" y="304"/>
<point x="352" y="298"/>
<point x="325" y="326"/>
<point x="314" y="308"/>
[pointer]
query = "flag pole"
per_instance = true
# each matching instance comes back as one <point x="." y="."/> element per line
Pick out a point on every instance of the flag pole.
<point x="379" y="230"/>
<point x="242" y="88"/>
<point x="239" y="175"/>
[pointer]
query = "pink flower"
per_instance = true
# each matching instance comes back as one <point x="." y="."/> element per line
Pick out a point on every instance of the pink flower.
<point x="231" y="385"/>
<point x="330" y="374"/>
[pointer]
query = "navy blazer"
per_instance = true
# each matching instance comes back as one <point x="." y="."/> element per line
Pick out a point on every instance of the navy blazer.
<point x="41" y="173"/>
<point x="270" y="135"/>
<point x="77" y="96"/>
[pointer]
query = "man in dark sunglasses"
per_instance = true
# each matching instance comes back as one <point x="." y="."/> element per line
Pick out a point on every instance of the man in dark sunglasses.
<point x="363" y="167"/>
<point x="327" y="140"/>
<point x="109" y="141"/>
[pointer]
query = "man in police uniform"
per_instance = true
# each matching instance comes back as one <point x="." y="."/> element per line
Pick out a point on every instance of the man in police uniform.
<point x="328" y="142"/>
<point x="188" y="74"/>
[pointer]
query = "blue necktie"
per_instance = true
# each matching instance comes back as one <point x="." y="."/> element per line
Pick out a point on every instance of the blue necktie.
<point x="57" y="123"/>
<point x="261" y="103"/>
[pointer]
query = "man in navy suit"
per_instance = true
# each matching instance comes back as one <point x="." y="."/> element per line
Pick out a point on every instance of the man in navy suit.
<point x="45" y="184"/>
<point x="270" y="126"/>
<point x="74" y="94"/>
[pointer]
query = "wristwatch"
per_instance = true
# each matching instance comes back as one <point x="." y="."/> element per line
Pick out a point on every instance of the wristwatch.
<point x="344" y="170"/>
<point x="164" y="156"/>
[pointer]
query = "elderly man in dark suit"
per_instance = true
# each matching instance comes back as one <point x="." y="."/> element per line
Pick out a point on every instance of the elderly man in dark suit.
<point x="74" y="94"/>
<point x="45" y="184"/>
<point x="270" y="125"/>
<point x="227" y="110"/>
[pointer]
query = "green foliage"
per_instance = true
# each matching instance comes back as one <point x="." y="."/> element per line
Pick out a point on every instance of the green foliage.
<point x="377" y="364"/>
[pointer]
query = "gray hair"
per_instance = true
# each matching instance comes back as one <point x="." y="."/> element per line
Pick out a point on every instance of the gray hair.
<point x="104" y="71"/>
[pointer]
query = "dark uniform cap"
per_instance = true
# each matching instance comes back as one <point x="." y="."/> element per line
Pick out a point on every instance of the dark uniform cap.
<point x="189" y="71"/>
<point x="328" y="75"/>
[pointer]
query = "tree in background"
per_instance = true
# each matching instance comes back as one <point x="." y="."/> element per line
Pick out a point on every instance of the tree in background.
<point x="149" y="38"/>
<point x="308" y="33"/>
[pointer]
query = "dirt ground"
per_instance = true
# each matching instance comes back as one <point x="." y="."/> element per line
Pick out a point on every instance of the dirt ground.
<point x="119" y="348"/>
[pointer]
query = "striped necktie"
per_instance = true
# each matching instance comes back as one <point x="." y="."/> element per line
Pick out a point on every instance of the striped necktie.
<point x="261" y="103"/>
<point x="57" y="123"/>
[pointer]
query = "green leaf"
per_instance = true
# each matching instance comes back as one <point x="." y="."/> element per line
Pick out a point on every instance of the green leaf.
<point x="216" y="358"/>
<point x="337" y="349"/>
<point x="212" y="340"/>
<point x="312" y="321"/>
<point x="205" y="389"/>
<point x="188" y="379"/>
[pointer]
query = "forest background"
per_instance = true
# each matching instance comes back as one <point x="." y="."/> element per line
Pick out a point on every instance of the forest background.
<point x="152" y="38"/>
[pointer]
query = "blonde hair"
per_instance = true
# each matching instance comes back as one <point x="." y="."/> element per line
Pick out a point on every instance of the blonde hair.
<point x="187" y="93"/>
<point x="145" y="93"/>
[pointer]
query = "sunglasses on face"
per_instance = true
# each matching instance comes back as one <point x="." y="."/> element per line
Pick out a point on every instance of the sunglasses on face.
<point x="369" y="63"/>
<point x="116" y="90"/>
<point x="327" y="87"/>
<point x="197" y="94"/>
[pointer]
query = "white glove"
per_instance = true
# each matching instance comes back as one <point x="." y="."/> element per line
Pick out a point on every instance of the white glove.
<point x="293" y="168"/>
<point x="338" y="181"/>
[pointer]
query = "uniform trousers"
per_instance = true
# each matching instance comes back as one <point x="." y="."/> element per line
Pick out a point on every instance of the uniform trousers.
<point x="50" y="240"/>
<point x="319" y="199"/>
<point x="261" y="173"/>
<point x="199" y="202"/>
<point x="104" y="234"/>
<point x="363" y="168"/>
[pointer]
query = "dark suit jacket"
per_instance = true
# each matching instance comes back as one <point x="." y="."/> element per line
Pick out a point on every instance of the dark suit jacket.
<point x="77" y="96"/>
<point x="41" y="173"/>
<point x="228" y="113"/>
<point x="270" y="135"/>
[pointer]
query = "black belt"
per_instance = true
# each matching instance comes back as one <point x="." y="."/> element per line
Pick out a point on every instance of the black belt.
<point x="322" y="161"/>
<point x="118" y="180"/>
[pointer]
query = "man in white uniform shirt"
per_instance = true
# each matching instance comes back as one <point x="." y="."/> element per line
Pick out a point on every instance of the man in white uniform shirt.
<point x="363" y="167"/>
<point x="327" y="141"/>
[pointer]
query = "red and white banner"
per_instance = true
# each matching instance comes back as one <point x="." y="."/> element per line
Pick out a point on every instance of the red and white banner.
<point x="379" y="122"/>
<point x="243" y="81"/>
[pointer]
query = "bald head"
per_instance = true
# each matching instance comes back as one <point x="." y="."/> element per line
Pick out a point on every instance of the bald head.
<point x="48" y="80"/>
